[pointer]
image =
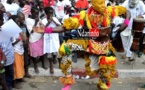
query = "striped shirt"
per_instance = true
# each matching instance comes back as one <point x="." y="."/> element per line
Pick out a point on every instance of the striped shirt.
<point x="8" y="50"/>
<point x="26" y="10"/>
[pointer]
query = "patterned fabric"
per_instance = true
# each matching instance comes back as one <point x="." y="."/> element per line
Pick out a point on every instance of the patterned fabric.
<point x="98" y="47"/>
<point x="8" y="50"/>
<point x="36" y="48"/>
<point x="27" y="10"/>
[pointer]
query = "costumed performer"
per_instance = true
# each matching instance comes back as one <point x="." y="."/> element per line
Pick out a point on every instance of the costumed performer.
<point x="100" y="58"/>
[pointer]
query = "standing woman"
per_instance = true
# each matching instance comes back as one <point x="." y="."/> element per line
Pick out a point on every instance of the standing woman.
<point x="35" y="39"/>
<point x="18" y="55"/>
<point x="25" y="44"/>
<point x="51" y="41"/>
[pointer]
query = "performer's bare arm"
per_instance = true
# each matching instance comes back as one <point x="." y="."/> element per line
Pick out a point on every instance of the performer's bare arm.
<point x="58" y="29"/>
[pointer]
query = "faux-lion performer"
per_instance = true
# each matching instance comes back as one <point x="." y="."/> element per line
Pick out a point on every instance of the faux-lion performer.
<point x="100" y="54"/>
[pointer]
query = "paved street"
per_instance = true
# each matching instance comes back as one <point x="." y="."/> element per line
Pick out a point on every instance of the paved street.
<point x="52" y="83"/>
<point x="131" y="76"/>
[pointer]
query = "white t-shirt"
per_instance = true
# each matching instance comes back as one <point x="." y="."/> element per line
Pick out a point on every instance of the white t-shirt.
<point x="138" y="10"/>
<point x="59" y="9"/>
<point x="116" y="21"/>
<point x="12" y="8"/>
<point x="51" y="41"/>
<point x="144" y="28"/>
<point x="18" y="47"/>
<point x="67" y="3"/>
<point x="33" y="36"/>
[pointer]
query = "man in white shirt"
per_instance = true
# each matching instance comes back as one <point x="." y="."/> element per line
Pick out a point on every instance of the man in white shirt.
<point x="59" y="10"/>
<point x="6" y="15"/>
<point x="137" y="8"/>
<point x="11" y="7"/>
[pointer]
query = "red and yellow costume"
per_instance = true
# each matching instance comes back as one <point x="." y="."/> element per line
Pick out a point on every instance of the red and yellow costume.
<point x="106" y="63"/>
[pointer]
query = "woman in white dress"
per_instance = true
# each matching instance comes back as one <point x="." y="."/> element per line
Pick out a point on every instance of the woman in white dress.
<point x="51" y="41"/>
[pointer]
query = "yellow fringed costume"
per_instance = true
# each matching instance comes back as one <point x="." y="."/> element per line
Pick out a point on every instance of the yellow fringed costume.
<point x="106" y="61"/>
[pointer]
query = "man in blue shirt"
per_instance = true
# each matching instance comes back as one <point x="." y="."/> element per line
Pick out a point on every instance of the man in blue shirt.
<point x="9" y="53"/>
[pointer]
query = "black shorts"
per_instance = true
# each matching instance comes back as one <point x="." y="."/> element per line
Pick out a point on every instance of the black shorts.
<point x="2" y="77"/>
<point x="26" y="55"/>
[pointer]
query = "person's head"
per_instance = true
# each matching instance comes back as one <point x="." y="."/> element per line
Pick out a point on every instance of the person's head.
<point x="49" y="11"/>
<point x="21" y="3"/>
<point x="114" y="2"/>
<point x="60" y="0"/>
<point x="15" y="18"/>
<point x="73" y="2"/>
<point x="34" y="12"/>
<point x="144" y="1"/>
<point x="10" y="1"/>
<point x="89" y="1"/>
<point x="98" y="5"/>
<point x="72" y="11"/>
<point x="28" y="1"/>
<point x="133" y="3"/>
<point x="1" y="19"/>
<point x="21" y="17"/>
<point x="35" y="3"/>
<point x="2" y="8"/>
<point x="108" y="4"/>
<point x="41" y="6"/>
<point x="121" y="1"/>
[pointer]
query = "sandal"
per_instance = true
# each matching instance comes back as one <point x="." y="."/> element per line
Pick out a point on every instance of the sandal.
<point x="29" y="76"/>
<point x="130" y="60"/>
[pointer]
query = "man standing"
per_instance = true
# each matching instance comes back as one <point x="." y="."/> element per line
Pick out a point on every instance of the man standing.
<point x="11" y="7"/>
<point x="137" y="8"/>
<point x="9" y="53"/>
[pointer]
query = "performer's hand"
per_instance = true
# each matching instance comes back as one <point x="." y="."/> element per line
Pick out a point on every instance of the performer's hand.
<point x="121" y="27"/>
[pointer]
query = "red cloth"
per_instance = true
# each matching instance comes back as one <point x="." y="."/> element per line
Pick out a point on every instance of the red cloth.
<point x="82" y="4"/>
<point x="0" y="54"/>
<point x="48" y="2"/>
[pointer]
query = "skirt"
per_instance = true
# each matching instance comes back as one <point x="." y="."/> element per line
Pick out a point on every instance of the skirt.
<point x="18" y="66"/>
<point x="36" y="48"/>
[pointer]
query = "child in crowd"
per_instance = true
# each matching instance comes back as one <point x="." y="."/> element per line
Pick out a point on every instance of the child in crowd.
<point x="25" y="44"/>
<point x="51" y="41"/>
<point x="35" y="39"/>
<point x="41" y="10"/>
<point x="27" y="8"/>
<point x="18" y="55"/>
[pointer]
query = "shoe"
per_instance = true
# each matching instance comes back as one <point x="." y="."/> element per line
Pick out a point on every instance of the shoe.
<point x="130" y="60"/>
<point x="143" y="86"/>
<point x="140" y="54"/>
